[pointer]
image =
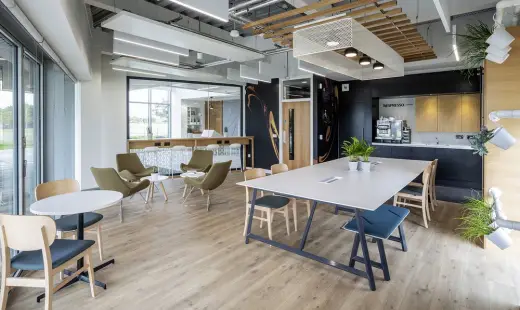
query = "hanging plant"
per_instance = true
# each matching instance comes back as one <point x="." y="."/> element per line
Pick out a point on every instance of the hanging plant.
<point x="478" y="141"/>
<point x="474" y="45"/>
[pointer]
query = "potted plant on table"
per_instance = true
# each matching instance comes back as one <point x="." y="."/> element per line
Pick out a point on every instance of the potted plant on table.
<point x="225" y="131"/>
<point x="477" y="223"/>
<point x="366" y="151"/>
<point x="352" y="149"/>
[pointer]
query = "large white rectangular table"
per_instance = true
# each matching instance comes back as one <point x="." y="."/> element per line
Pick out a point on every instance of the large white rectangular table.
<point x="356" y="190"/>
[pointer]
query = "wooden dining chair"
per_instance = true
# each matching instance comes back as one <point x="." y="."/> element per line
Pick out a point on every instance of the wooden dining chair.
<point x="67" y="225"/>
<point x="268" y="205"/>
<point x="280" y="168"/>
<point x="35" y="237"/>
<point x="416" y="197"/>
<point x="432" y="190"/>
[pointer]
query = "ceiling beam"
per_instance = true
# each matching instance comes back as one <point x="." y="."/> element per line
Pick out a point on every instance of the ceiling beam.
<point x="412" y="42"/>
<point x="394" y="30"/>
<point x="385" y="21"/>
<point x="380" y="15"/>
<point x="390" y="25"/>
<point x="291" y="13"/>
<point x="333" y="10"/>
<point x="406" y="34"/>
<point x="401" y="40"/>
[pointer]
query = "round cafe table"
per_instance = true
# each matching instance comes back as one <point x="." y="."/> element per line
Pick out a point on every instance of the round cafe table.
<point x="77" y="203"/>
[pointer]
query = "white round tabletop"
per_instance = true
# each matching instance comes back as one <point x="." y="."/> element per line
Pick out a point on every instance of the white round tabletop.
<point x="77" y="202"/>
<point x="155" y="179"/>
<point x="192" y="174"/>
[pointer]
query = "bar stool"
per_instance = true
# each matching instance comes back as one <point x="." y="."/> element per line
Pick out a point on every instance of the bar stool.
<point x="178" y="156"/>
<point x="150" y="156"/>
<point x="215" y="149"/>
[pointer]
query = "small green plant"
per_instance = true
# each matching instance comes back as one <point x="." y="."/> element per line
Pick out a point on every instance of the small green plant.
<point x="367" y="151"/>
<point x="478" y="142"/>
<point x="474" y="45"/>
<point x="352" y="149"/>
<point x="476" y="218"/>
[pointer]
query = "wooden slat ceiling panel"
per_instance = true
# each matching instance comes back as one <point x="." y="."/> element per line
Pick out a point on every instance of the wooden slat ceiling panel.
<point x="383" y="18"/>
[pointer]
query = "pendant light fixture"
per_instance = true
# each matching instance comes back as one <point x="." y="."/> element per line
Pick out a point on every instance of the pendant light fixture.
<point x="350" y="52"/>
<point x="378" y="66"/>
<point x="365" y="60"/>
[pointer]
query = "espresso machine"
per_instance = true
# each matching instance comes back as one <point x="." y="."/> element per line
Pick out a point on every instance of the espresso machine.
<point x="391" y="130"/>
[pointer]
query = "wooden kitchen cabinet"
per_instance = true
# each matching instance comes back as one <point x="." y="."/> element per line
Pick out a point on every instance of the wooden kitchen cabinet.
<point x="426" y="114"/>
<point x="470" y="111"/>
<point x="450" y="117"/>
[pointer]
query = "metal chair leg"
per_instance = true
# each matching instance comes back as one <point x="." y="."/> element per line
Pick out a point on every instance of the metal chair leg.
<point x="121" y="211"/>
<point x="208" y="201"/>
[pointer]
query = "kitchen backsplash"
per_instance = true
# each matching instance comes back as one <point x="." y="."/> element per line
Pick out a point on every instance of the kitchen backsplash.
<point x="404" y="108"/>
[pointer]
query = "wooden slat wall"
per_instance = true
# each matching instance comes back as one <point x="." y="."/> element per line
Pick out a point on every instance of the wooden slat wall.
<point x="501" y="92"/>
<point x="383" y="18"/>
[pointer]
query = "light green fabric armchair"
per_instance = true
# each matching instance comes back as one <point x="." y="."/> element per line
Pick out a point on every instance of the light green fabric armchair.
<point x="131" y="168"/>
<point x="201" y="160"/>
<point x="108" y="179"/>
<point x="213" y="179"/>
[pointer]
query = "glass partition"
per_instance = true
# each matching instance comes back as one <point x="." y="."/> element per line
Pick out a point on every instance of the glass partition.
<point x="297" y="89"/>
<point x="171" y="109"/>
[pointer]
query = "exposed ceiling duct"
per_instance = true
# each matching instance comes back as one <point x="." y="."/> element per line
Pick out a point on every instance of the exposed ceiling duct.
<point x="256" y="7"/>
<point x="243" y="5"/>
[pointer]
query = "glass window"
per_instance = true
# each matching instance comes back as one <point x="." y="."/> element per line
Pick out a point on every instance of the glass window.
<point x="160" y="120"/>
<point x="8" y="163"/>
<point x="160" y="96"/>
<point x="138" y="120"/>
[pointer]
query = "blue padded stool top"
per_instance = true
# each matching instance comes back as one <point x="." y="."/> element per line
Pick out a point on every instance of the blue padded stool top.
<point x="381" y="222"/>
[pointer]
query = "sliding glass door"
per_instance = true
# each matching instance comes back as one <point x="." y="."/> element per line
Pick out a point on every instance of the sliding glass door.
<point x="8" y="150"/>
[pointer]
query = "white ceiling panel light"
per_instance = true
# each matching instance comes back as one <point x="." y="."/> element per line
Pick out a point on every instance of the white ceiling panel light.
<point x="234" y="75"/>
<point x="218" y="9"/>
<point x="312" y="45"/>
<point x="252" y="74"/>
<point x="137" y="71"/>
<point x="147" y="28"/>
<point x="139" y="41"/>
<point x="144" y="53"/>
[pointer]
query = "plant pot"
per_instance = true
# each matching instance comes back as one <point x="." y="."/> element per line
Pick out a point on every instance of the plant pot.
<point x="365" y="166"/>
<point x="502" y="138"/>
<point x="154" y="176"/>
<point x="500" y="238"/>
<point x="353" y="165"/>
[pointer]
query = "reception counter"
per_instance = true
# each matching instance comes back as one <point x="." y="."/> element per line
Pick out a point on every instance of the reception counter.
<point x="248" y="144"/>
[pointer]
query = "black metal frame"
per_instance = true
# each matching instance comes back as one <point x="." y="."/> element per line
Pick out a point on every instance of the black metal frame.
<point x="83" y="276"/>
<point x="368" y="273"/>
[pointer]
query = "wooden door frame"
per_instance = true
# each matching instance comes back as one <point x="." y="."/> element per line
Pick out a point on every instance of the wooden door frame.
<point x="311" y="115"/>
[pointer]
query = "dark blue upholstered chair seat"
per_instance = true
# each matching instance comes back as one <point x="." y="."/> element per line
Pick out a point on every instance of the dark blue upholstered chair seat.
<point x="381" y="222"/>
<point x="62" y="250"/>
<point x="412" y="190"/>
<point x="273" y="202"/>
<point x="70" y="222"/>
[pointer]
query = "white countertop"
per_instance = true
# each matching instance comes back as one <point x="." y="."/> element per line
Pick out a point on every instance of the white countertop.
<point x="357" y="189"/>
<point x="437" y="146"/>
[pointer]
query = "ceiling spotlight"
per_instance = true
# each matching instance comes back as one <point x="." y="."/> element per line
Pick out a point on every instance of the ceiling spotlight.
<point x="234" y="33"/>
<point x="332" y="43"/>
<point x="365" y="60"/>
<point x="350" y="52"/>
<point x="378" y="66"/>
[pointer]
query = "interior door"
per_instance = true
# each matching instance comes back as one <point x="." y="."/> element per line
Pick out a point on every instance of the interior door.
<point x="214" y="115"/>
<point x="296" y="134"/>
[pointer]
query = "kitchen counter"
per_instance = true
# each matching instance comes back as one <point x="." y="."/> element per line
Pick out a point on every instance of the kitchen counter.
<point x="438" y="146"/>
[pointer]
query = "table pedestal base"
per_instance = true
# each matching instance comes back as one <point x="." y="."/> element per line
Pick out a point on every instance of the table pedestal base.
<point x="83" y="278"/>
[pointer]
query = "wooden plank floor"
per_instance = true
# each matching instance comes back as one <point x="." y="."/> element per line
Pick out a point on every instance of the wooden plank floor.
<point x="182" y="257"/>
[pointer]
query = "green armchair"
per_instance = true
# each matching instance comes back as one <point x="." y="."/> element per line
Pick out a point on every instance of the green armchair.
<point x="201" y="161"/>
<point x="131" y="168"/>
<point x="213" y="179"/>
<point x="109" y="179"/>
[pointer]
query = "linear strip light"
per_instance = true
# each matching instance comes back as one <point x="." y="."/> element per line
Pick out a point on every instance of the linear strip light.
<point x="307" y="70"/>
<point x="206" y="88"/>
<point x="146" y="58"/>
<point x="199" y="10"/>
<point x="254" y="79"/>
<point x="150" y="46"/>
<point x="454" y="42"/>
<point x="137" y="71"/>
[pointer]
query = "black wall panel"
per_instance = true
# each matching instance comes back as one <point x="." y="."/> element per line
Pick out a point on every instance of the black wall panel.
<point x="325" y="119"/>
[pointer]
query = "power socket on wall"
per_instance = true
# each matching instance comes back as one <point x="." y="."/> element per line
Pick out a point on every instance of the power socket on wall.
<point x="459" y="137"/>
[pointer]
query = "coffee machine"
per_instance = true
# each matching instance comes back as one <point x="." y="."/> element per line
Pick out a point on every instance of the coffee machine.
<point x="391" y="130"/>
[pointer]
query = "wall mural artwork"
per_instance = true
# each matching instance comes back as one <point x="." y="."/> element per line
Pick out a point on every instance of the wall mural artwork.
<point x="262" y="122"/>
<point x="328" y="99"/>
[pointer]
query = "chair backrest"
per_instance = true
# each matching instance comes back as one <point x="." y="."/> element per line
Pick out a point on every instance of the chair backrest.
<point x="426" y="179"/>
<point x="251" y="175"/>
<point x="26" y="232"/>
<point x="279" y="168"/>
<point x="54" y="188"/>
<point x="216" y="175"/>
<point x="109" y="179"/>
<point x="201" y="159"/>
<point x="433" y="174"/>
<point x="130" y="162"/>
